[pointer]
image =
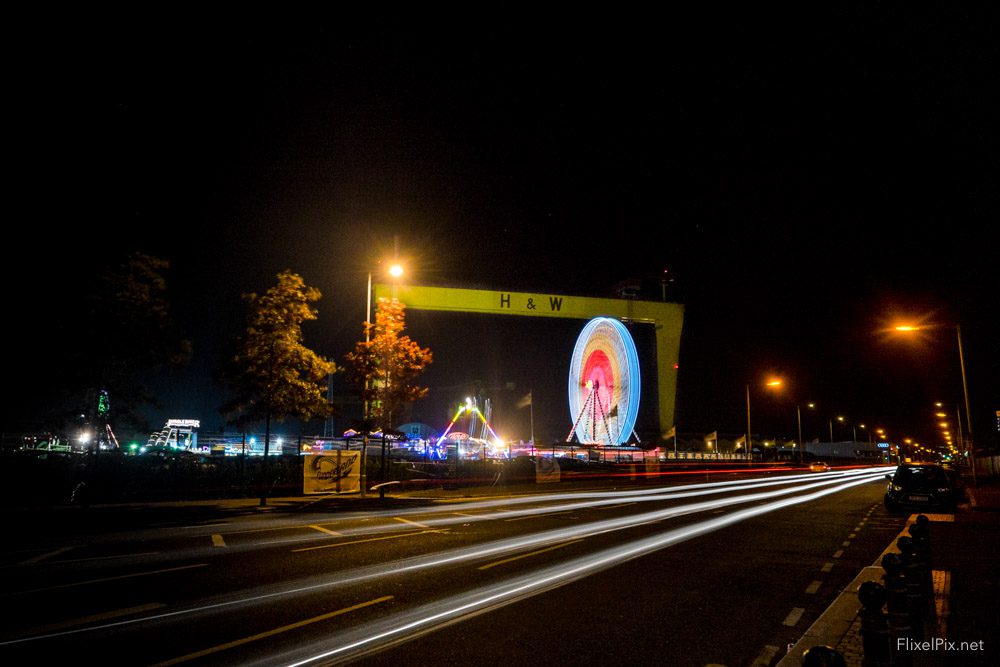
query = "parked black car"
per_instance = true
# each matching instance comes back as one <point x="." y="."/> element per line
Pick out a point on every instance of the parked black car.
<point x="922" y="486"/>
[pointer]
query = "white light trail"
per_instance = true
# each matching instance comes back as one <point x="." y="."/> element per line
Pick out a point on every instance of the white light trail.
<point x="520" y="543"/>
<point x="421" y="620"/>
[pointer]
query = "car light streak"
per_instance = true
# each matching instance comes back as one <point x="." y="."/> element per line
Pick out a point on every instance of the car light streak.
<point x="404" y="626"/>
<point x="588" y="500"/>
<point x="505" y="546"/>
<point x="271" y="633"/>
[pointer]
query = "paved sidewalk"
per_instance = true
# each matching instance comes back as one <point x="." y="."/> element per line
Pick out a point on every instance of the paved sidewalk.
<point x="964" y="559"/>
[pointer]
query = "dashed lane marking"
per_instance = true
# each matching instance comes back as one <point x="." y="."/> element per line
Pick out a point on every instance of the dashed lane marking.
<point x="412" y="523"/>
<point x="327" y="531"/>
<point x="532" y="553"/>
<point x="827" y="567"/>
<point x="793" y="617"/>
<point x="218" y="541"/>
<point x="813" y="587"/>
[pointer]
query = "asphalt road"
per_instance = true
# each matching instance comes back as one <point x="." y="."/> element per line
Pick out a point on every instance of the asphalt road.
<point x="679" y="575"/>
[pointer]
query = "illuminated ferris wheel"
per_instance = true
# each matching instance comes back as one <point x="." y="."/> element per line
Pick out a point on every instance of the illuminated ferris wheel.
<point x="604" y="383"/>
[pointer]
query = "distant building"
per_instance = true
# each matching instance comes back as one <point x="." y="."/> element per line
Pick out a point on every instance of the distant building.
<point x="843" y="450"/>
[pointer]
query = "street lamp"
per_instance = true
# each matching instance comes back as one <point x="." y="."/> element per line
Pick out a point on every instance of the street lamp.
<point x="396" y="271"/>
<point x="802" y="444"/>
<point x="908" y="328"/>
<point x="746" y="442"/>
<point x="772" y="383"/>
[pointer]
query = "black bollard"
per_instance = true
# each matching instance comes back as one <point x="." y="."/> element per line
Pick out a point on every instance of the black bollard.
<point x="823" y="656"/>
<point x="899" y="617"/>
<point x="913" y="577"/>
<point x="875" y="638"/>
<point x="920" y="535"/>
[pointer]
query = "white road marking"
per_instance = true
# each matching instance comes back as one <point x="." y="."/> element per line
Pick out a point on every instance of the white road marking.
<point x="793" y="617"/>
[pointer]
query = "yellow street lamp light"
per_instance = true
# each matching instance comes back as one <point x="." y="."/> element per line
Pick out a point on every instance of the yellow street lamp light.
<point x="395" y="270"/>
<point x="770" y="383"/>
<point x="904" y="327"/>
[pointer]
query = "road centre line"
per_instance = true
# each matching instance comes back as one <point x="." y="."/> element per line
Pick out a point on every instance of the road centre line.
<point x="531" y="553"/>
<point x="98" y="618"/>
<point x="104" y="579"/>
<point x="538" y="516"/>
<point x="370" y="539"/>
<point x="32" y="561"/>
<point x="610" y="507"/>
<point x="271" y="633"/>
<point x="412" y="523"/>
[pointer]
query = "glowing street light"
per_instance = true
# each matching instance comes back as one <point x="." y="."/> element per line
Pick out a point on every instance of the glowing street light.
<point x="770" y="383"/>
<point x="905" y="327"/>
<point x="802" y="444"/>
<point x="396" y="271"/>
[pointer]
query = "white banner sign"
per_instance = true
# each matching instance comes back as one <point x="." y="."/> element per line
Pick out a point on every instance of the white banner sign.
<point x="334" y="472"/>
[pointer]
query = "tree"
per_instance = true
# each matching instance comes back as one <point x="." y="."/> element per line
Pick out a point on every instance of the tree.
<point x="123" y="332"/>
<point x="385" y="367"/>
<point x="273" y="373"/>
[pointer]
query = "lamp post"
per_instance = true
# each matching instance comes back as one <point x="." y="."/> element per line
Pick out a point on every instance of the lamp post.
<point x="747" y="441"/>
<point x="802" y="444"/>
<point x="773" y="383"/>
<point x="798" y="413"/>
<point x="395" y="271"/>
<point x="906" y="328"/>
<point x="364" y="415"/>
<point x="968" y="414"/>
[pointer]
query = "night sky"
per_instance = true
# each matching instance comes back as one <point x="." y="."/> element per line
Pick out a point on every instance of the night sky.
<point x="801" y="177"/>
